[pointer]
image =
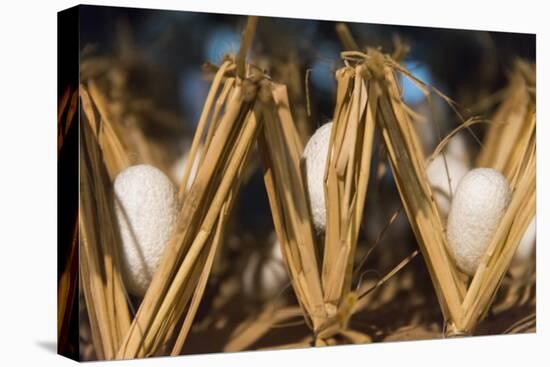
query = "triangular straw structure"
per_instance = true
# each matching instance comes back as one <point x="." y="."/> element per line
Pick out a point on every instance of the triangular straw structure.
<point x="463" y="305"/>
<point x="280" y="148"/>
<point x="205" y="205"/>
<point x="322" y="291"/>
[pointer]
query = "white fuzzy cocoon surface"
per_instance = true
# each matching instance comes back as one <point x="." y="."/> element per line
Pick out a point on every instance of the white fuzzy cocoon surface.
<point x="456" y="156"/>
<point x="439" y="176"/>
<point x="478" y="205"/>
<point x="265" y="274"/>
<point x="146" y="209"/>
<point x="527" y="242"/>
<point x="315" y="156"/>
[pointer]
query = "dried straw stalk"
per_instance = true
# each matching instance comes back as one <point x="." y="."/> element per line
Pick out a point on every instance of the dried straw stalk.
<point x="100" y="276"/>
<point x="68" y="278"/>
<point x="462" y="305"/>
<point x="510" y="146"/>
<point x="347" y="174"/>
<point x="273" y="316"/>
<point x="408" y="167"/>
<point x="67" y="290"/>
<point x="197" y="234"/>
<point x="67" y="107"/>
<point x="180" y="281"/>
<point x="508" y="133"/>
<point x="323" y="292"/>
<point x="252" y="329"/>
<point x="115" y="154"/>
<point x="280" y="148"/>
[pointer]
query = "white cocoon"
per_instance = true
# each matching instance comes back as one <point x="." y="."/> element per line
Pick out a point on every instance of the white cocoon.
<point x="146" y="209"/>
<point x="456" y="156"/>
<point x="478" y="205"/>
<point x="179" y="165"/>
<point x="265" y="274"/>
<point x="315" y="157"/>
<point x="527" y="242"/>
<point x="439" y="176"/>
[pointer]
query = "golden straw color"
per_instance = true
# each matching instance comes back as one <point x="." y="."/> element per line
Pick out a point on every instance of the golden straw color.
<point x="462" y="304"/>
<point x="252" y="329"/>
<point x="510" y="146"/>
<point x="280" y="148"/>
<point x="67" y="289"/>
<point x="321" y="275"/>
<point x="203" y="215"/>
<point x="67" y="107"/>
<point x="510" y="129"/>
<point x="245" y="109"/>
<point x="347" y="174"/>
<point x="100" y="276"/>
<point x="179" y="283"/>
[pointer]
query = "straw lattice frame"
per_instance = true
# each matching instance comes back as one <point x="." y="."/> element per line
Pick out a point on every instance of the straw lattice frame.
<point x="462" y="304"/>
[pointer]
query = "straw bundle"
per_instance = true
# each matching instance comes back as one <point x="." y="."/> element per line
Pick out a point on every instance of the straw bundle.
<point x="179" y="283"/>
<point x="66" y="111"/>
<point x="462" y="304"/>
<point x="508" y="135"/>
<point x="510" y="146"/>
<point x="67" y="294"/>
<point x="99" y="241"/>
<point x="323" y="287"/>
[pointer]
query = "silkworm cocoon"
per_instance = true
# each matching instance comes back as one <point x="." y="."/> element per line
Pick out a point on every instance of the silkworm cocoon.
<point x="527" y="243"/>
<point x="315" y="157"/>
<point x="265" y="274"/>
<point x="146" y="210"/>
<point x="179" y="165"/>
<point x="439" y="176"/>
<point x="478" y="205"/>
<point x="458" y="148"/>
